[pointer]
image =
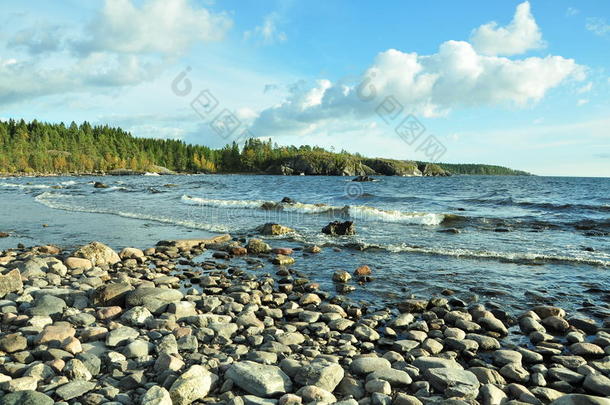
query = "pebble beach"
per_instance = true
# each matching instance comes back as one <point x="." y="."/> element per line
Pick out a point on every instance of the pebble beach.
<point x="159" y="326"/>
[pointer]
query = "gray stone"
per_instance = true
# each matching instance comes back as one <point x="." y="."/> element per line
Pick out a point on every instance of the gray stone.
<point x="10" y="282"/>
<point x="425" y="363"/>
<point x="156" y="396"/>
<point x="154" y="299"/>
<point x="598" y="384"/>
<point x="27" y="398"/>
<point x="121" y="335"/>
<point x="581" y="399"/>
<point x="321" y="373"/>
<point x="454" y="382"/>
<point x="259" y="379"/>
<point x="74" y="389"/>
<point x="192" y="385"/>
<point x="397" y="378"/>
<point x="366" y="365"/>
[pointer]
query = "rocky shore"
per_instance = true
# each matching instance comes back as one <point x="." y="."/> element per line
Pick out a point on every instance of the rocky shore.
<point x="186" y="322"/>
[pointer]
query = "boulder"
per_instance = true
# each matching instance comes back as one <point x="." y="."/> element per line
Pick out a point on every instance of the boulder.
<point x="193" y="385"/>
<point x="259" y="379"/>
<point x="454" y="382"/>
<point x="154" y="299"/>
<point x="98" y="254"/>
<point x="27" y="398"/>
<point x="340" y="228"/>
<point x="257" y="246"/>
<point x="10" y="282"/>
<point x="321" y="373"/>
<point x="274" y="229"/>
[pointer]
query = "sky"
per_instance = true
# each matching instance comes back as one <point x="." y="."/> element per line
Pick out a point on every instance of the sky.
<point x="518" y="84"/>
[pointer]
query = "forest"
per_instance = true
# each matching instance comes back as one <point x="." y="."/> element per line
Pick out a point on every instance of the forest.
<point x="50" y="148"/>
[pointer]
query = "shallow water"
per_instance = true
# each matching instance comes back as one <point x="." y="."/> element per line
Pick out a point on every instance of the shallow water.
<point x="521" y="240"/>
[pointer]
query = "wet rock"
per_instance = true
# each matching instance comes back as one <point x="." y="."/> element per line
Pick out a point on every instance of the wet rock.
<point x="257" y="246"/>
<point x="274" y="229"/>
<point x="99" y="184"/>
<point x="341" y="276"/>
<point x="340" y="228"/>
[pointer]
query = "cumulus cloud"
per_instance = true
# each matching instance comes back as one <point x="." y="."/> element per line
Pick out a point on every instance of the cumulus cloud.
<point x="598" y="26"/>
<point x="164" y="26"/>
<point x="521" y="35"/>
<point x="585" y="89"/>
<point x="21" y="80"/>
<point x="267" y="33"/>
<point x="430" y="85"/>
<point x="39" y="40"/>
<point x="459" y="75"/>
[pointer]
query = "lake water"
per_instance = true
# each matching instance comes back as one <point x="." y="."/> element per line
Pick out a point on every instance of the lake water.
<point x="516" y="241"/>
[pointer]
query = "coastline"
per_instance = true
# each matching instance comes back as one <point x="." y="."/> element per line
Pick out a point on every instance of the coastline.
<point x="193" y="319"/>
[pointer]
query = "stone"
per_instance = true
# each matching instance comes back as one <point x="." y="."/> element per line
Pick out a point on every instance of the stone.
<point x="454" y="382"/>
<point x="13" y="342"/>
<point x="74" y="389"/>
<point x="192" y="385"/>
<point x="587" y="350"/>
<point x="47" y="305"/>
<point x="515" y="372"/>
<point x="57" y="332"/>
<point x="341" y="276"/>
<point x="121" y="335"/>
<point x="425" y="363"/>
<point x="131" y="253"/>
<point x="79" y="263"/>
<point x="112" y="294"/>
<point x="321" y="373"/>
<point x="503" y="357"/>
<point x="580" y="399"/>
<point x="257" y="246"/>
<point x="136" y="316"/>
<point x="412" y="305"/>
<point x="340" y="228"/>
<point x="403" y="399"/>
<point x="137" y="348"/>
<point x="397" y="378"/>
<point x="156" y="395"/>
<point x="10" y="282"/>
<point x="366" y="365"/>
<point x="492" y="395"/>
<point x="98" y="254"/>
<point x="545" y="311"/>
<point x="311" y="393"/>
<point x="20" y="384"/>
<point x="597" y="384"/>
<point x="27" y="398"/>
<point x="76" y="370"/>
<point x="155" y="299"/>
<point x="274" y="229"/>
<point x="363" y="270"/>
<point x="259" y="379"/>
<point x="283" y="260"/>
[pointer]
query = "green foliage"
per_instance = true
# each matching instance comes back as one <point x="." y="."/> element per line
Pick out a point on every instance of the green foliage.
<point x="37" y="147"/>
<point x="480" y="169"/>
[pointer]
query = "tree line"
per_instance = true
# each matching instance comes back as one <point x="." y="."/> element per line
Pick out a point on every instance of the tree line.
<point x="46" y="148"/>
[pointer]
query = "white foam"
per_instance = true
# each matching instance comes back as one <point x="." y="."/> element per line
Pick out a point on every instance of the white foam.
<point x="151" y="174"/>
<point x="25" y="186"/>
<point x="363" y="213"/>
<point x="53" y="201"/>
<point x="483" y="254"/>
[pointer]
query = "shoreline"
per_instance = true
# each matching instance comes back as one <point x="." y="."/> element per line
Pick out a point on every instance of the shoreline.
<point x="187" y="321"/>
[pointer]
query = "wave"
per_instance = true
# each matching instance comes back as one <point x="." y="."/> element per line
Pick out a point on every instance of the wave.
<point x="509" y="201"/>
<point x="50" y="200"/>
<point x="517" y="258"/>
<point x="357" y="212"/>
<point x="26" y="186"/>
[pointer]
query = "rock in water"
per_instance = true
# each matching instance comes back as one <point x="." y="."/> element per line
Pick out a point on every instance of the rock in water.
<point x="257" y="246"/>
<point x="258" y="379"/>
<point x="4" y="235"/>
<point x="99" y="184"/>
<point x="340" y="228"/>
<point x="274" y="229"/>
<point x="193" y="385"/>
<point x="10" y="282"/>
<point x="363" y="178"/>
<point x="98" y="253"/>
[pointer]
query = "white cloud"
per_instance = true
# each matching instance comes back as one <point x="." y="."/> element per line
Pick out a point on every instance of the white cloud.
<point x="267" y="33"/>
<point x="582" y="102"/>
<point x="571" y="11"/>
<point x="598" y="26"/>
<point x="159" y="26"/>
<point x="38" y="40"/>
<point x="585" y="89"/>
<point x="521" y="35"/>
<point x="429" y="85"/>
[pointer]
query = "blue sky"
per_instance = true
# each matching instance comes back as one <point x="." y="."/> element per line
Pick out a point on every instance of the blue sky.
<point x="520" y="84"/>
